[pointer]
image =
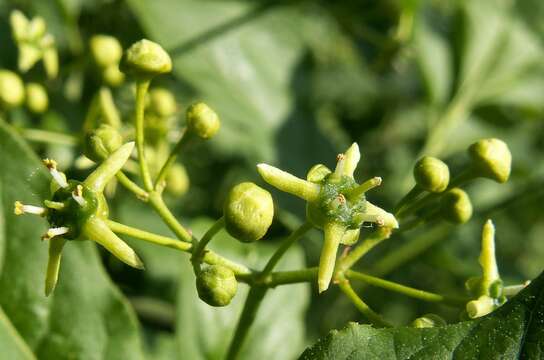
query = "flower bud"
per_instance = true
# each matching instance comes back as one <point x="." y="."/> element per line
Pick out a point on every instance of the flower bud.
<point x="101" y="142"/>
<point x="428" y="321"/>
<point x="455" y="206"/>
<point x="202" y="120"/>
<point x="113" y="76"/>
<point x="19" y="25"/>
<point x="106" y="50"/>
<point x="36" y="98"/>
<point x="216" y="285"/>
<point x="492" y="159"/>
<point x="162" y="102"/>
<point x="36" y="28"/>
<point x="248" y="212"/>
<point x="12" y="92"/>
<point x="432" y="174"/>
<point x="51" y="62"/>
<point x="177" y="180"/>
<point x="146" y="59"/>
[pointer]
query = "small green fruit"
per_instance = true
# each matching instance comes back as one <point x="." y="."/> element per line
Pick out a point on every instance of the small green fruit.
<point x="101" y="142"/>
<point x="202" y="120"/>
<point x="106" y="50"/>
<point x="12" y="91"/>
<point x="492" y="159"/>
<point x="432" y="174"/>
<point x="36" y="98"/>
<point x="248" y="212"/>
<point x="146" y="59"/>
<point x="216" y="285"/>
<point x="455" y="206"/>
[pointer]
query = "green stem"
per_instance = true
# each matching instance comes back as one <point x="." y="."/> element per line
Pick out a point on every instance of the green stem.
<point x="284" y="246"/>
<point x="408" y="198"/>
<point x="370" y="314"/>
<point x="131" y="186"/>
<point x="200" y="247"/>
<point x="183" y="140"/>
<point x="249" y="312"/>
<point x="374" y="239"/>
<point x="46" y="136"/>
<point x="290" y="277"/>
<point x="156" y="201"/>
<point x="409" y="250"/>
<point x="141" y="91"/>
<point x="406" y="290"/>
<point x="258" y="290"/>
<point x="243" y="273"/>
<point x="109" y="110"/>
<point x="92" y="114"/>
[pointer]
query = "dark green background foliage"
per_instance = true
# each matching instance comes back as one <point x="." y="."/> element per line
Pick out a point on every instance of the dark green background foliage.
<point x="295" y="82"/>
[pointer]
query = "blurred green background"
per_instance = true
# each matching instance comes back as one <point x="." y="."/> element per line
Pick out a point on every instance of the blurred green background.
<point x="295" y="83"/>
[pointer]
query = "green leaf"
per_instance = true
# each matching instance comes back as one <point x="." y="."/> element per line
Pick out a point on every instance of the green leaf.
<point x="204" y="332"/>
<point x="239" y="57"/>
<point x="86" y="316"/>
<point x="514" y="331"/>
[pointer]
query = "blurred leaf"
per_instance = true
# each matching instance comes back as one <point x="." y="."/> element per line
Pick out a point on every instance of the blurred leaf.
<point x="513" y="331"/>
<point x="204" y="332"/>
<point x="435" y="63"/>
<point x="86" y="316"/>
<point x="13" y="347"/>
<point x="239" y="56"/>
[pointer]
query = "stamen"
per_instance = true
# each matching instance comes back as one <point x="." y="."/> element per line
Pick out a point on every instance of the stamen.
<point x="20" y="209"/>
<point x="77" y="195"/>
<point x="52" y="232"/>
<point x="55" y="205"/>
<point x="57" y="175"/>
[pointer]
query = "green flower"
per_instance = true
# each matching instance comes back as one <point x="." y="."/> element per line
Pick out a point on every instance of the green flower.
<point x="78" y="211"/>
<point x="335" y="203"/>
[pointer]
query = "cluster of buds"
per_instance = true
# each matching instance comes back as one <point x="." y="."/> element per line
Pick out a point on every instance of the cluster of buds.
<point x="107" y="52"/>
<point x="78" y="211"/>
<point x="335" y="203"/>
<point x="13" y="93"/>
<point x="34" y="43"/>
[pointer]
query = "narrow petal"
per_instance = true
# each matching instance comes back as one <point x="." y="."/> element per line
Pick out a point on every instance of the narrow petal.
<point x="352" y="157"/>
<point x="333" y="235"/>
<point x="53" y="264"/>
<point x="387" y="219"/>
<point x="490" y="271"/>
<point x="98" y="179"/>
<point x="289" y="183"/>
<point x="96" y="230"/>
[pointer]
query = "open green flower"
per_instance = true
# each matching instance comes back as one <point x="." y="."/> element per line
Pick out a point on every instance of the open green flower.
<point x="335" y="203"/>
<point x="78" y="210"/>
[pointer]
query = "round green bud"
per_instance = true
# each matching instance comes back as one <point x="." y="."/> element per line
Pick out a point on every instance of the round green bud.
<point x="216" y="285"/>
<point x="101" y="142"/>
<point x="113" y="76"/>
<point x="432" y="174"/>
<point x="248" y="212"/>
<point x="177" y="180"/>
<point x="106" y="50"/>
<point x="12" y="91"/>
<point x="492" y="159"/>
<point x="146" y="59"/>
<point x="455" y="206"/>
<point x="202" y="120"/>
<point x="36" y="98"/>
<point x="162" y="102"/>
<point x="428" y="321"/>
<point x="318" y="173"/>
